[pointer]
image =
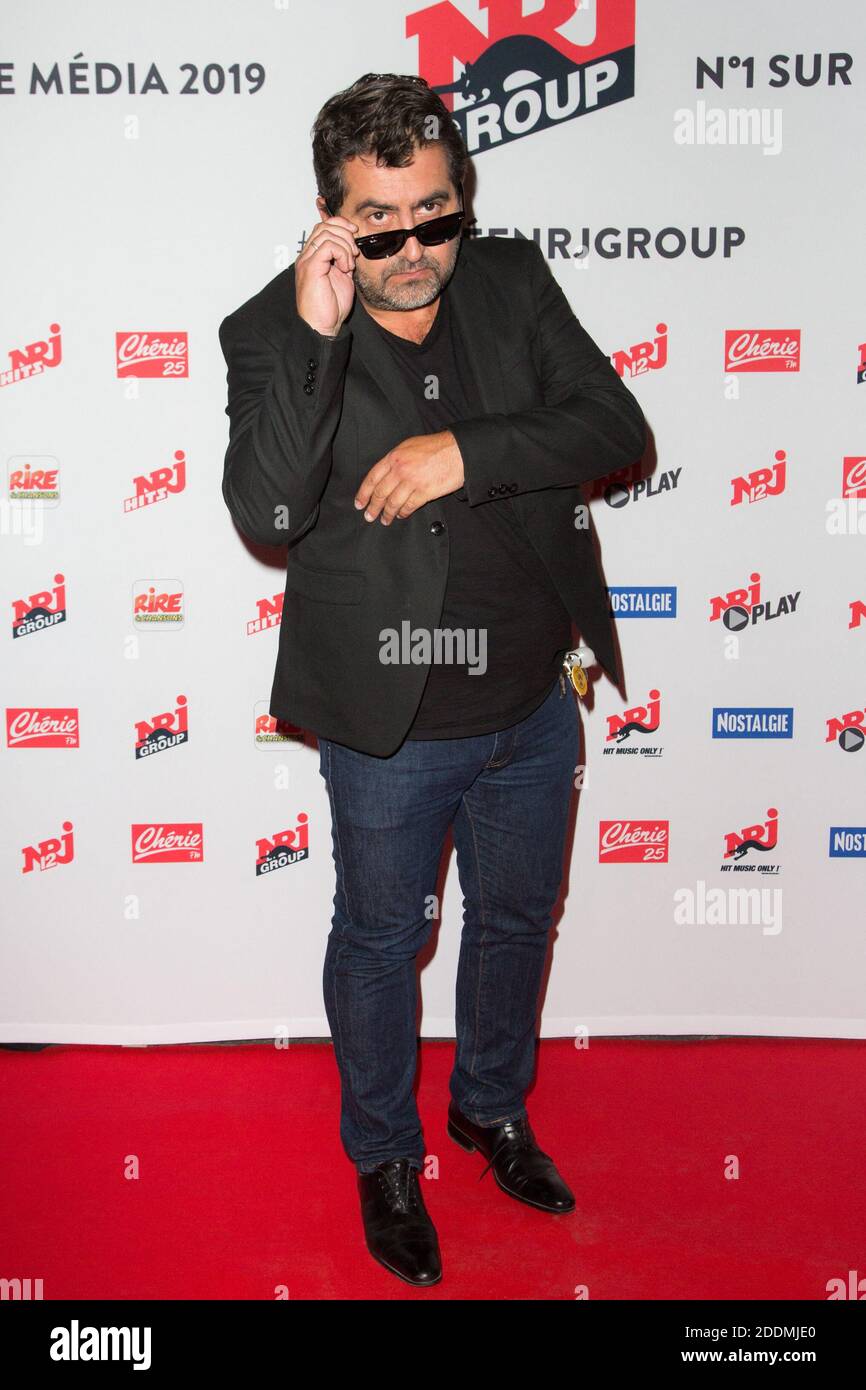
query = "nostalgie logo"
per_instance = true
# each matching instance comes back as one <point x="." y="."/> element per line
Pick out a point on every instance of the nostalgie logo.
<point x="751" y="840"/>
<point x="175" y="842"/>
<point x="157" y="603"/>
<point x="744" y="607"/>
<point x="762" y="350"/>
<point x="643" y="601"/>
<point x="32" y="359"/>
<point x="285" y="848"/>
<point x="47" y="854"/>
<point x="641" y="720"/>
<point x="848" y="730"/>
<point x="34" y="480"/>
<point x="270" y="732"/>
<point x="643" y="357"/>
<point x="270" y="614"/>
<point x="41" y="610"/>
<point x="162" y="731"/>
<point x="854" y="476"/>
<point x="761" y="482"/>
<point x="753" y="721"/>
<point x="633" y="841"/>
<point x="847" y="842"/>
<point x="148" y="354"/>
<point x="526" y="73"/>
<point x="38" y="727"/>
<point x="157" y="485"/>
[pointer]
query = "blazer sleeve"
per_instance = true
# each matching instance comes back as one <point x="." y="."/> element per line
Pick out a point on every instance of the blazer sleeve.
<point x="589" y="426"/>
<point x="280" y="435"/>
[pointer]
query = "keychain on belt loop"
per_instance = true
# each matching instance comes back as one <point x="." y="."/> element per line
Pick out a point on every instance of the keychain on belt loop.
<point x="573" y="666"/>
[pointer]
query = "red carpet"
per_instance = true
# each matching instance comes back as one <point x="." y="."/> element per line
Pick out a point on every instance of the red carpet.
<point x="244" y="1185"/>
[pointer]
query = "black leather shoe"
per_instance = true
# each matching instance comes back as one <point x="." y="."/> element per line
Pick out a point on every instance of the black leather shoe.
<point x="519" y="1166"/>
<point x="397" y="1227"/>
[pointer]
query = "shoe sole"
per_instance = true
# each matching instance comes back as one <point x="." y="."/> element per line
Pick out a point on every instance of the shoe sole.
<point x="471" y="1147"/>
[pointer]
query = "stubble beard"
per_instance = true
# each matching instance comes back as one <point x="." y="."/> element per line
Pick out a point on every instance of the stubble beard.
<point x="390" y="293"/>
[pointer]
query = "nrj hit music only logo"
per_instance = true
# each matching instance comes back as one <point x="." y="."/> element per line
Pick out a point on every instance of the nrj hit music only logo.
<point x="751" y="841"/>
<point x="626" y="732"/>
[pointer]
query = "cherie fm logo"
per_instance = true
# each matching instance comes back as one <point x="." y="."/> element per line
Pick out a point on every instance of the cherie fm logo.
<point x="854" y="476"/>
<point x="169" y="729"/>
<point x="157" y="485"/>
<point x="39" y="726"/>
<point x="47" y="854"/>
<point x="32" y="359"/>
<point x="641" y="719"/>
<point x="762" y="350"/>
<point x="744" y="607"/>
<point x="32" y="480"/>
<point x="167" y="842"/>
<point x="761" y="482"/>
<point x="633" y="841"/>
<point x="643" y="357"/>
<point x="284" y="848"/>
<point x="151" y="354"/>
<point x="760" y="838"/>
<point x="157" y="603"/>
<point x="46" y="608"/>
<point x="269" y="614"/>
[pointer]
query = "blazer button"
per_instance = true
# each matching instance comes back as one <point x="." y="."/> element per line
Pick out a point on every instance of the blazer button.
<point x="503" y="488"/>
<point x="311" y="376"/>
<point x="437" y="528"/>
<point x="512" y="487"/>
<point x="312" y="364"/>
<point x="309" y="390"/>
<point x="492" y="492"/>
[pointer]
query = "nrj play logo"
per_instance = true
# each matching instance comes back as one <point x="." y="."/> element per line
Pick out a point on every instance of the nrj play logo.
<point x="761" y="482"/>
<point x="32" y="359"/>
<point x="744" y="607"/>
<point x="750" y="840"/>
<point x="528" y="72"/>
<point x="166" y="730"/>
<point x="848" y="730"/>
<point x="284" y="848"/>
<point x="641" y="719"/>
<point x="157" y="485"/>
<point x="41" y="610"/>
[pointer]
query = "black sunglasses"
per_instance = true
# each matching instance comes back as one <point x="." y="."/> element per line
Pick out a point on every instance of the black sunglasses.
<point x="433" y="233"/>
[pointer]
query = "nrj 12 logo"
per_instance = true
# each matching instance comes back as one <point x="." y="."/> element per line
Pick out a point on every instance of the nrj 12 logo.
<point x="529" y="72"/>
<point x="47" y="854"/>
<point x="761" y="482"/>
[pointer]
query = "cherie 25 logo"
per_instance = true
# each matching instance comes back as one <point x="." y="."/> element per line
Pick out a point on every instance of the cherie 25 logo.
<point x="526" y="73"/>
<point x="633" y="841"/>
<point x="151" y="354"/>
<point x="762" y="350"/>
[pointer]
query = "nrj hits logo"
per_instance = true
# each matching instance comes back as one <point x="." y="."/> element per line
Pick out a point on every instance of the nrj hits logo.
<point x="753" y="839"/>
<point x="527" y="73"/>
<point x="642" y="719"/>
<point x="42" y="727"/>
<point x="41" y="610"/>
<point x="284" y="848"/>
<point x="166" y="730"/>
<point x="34" y="358"/>
<point x="270" y="614"/>
<point x="744" y="607"/>
<point x="47" y="854"/>
<point x="761" y="482"/>
<point x="157" y="485"/>
<point x="157" y="603"/>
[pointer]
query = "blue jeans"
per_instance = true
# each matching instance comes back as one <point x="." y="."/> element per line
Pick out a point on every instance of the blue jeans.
<point x="507" y="796"/>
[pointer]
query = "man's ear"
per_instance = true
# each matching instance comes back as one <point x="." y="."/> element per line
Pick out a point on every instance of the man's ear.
<point x="320" y="204"/>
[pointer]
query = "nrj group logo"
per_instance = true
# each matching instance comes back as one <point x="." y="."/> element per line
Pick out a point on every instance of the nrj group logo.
<point x="284" y="848"/>
<point x="642" y="720"/>
<point x="157" y="603"/>
<point x="169" y="729"/>
<point x="47" y="854"/>
<point x="157" y="485"/>
<point x="742" y="845"/>
<point x="633" y="841"/>
<point x="41" y="610"/>
<point x="33" y="358"/>
<point x="34" y="480"/>
<point x="761" y="482"/>
<point x="744" y="607"/>
<point x="42" y="727"/>
<point x="151" y="354"/>
<point x="167" y="842"/>
<point x="762" y="350"/>
<point x="527" y="72"/>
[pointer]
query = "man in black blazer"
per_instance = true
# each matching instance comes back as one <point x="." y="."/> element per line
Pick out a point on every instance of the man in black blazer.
<point x="412" y="412"/>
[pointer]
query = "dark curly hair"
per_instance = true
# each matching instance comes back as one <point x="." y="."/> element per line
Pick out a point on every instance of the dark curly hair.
<point x="384" y="114"/>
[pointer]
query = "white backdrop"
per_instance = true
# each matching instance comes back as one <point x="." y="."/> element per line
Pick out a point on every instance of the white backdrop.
<point x="156" y="213"/>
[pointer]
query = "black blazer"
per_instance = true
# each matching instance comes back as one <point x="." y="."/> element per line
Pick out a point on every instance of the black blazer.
<point x="310" y="415"/>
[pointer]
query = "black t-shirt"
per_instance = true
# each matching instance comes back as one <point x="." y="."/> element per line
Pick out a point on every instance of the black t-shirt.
<point x="498" y="587"/>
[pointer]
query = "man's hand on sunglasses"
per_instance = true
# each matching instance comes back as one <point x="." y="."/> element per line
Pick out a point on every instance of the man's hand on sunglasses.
<point x="324" y="283"/>
<point x="418" y="470"/>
